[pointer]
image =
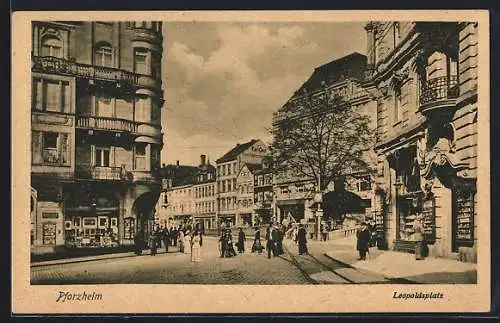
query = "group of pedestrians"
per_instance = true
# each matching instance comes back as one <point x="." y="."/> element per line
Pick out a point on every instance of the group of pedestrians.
<point x="187" y="240"/>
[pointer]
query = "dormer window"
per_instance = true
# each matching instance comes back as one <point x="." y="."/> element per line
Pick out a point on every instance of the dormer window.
<point x="51" y="46"/>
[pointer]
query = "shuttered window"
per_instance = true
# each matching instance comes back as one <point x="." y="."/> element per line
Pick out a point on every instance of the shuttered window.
<point x="50" y="148"/>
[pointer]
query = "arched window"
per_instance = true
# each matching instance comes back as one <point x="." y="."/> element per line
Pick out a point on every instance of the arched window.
<point x="51" y="46"/>
<point x="103" y="55"/>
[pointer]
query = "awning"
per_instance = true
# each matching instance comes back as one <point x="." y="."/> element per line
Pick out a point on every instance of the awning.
<point x="149" y="140"/>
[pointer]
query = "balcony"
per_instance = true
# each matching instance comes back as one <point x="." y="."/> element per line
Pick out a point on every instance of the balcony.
<point x="49" y="64"/>
<point x="105" y="173"/>
<point x="104" y="123"/>
<point x="439" y="92"/>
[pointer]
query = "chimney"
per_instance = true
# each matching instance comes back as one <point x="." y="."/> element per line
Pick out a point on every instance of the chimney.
<point x="177" y="163"/>
<point x="203" y="159"/>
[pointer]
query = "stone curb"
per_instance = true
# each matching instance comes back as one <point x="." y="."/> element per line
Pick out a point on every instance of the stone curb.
<point x="404" y="280"/>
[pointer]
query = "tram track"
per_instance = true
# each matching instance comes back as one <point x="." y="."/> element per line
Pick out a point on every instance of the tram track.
<point x="315" y="260"/>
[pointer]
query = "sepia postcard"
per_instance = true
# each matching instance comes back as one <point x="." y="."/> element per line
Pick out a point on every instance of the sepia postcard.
<point x="250" y="162"/>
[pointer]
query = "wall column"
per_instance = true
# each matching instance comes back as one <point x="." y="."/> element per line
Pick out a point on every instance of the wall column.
<point x="443" y="244"/>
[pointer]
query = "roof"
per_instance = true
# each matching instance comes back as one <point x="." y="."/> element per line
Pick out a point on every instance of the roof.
<point x="180" y="174"/>
<point x="234" y="152"/>
<point x="253" y="167"/>
<point x="350" y="66"/>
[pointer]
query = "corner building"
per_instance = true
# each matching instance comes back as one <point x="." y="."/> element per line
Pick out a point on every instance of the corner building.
<point x="426" y="77"/>
<point x="96" y="132"/>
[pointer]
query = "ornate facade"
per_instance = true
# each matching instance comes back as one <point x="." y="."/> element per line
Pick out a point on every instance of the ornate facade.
<point x="424" y="77"/>
<point x="96" y="132"/>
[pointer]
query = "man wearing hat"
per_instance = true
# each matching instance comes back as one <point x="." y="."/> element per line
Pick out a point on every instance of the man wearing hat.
<point x="363" y="236"/>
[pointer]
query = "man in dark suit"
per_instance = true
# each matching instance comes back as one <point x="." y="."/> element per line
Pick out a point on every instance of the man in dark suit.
<point x="166" y="238"/>
<point x="271" y="237"/>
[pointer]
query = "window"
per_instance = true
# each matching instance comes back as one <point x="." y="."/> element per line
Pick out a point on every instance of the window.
<point x="103" y="55"/>
<point x="51" y="46"/>
<point x="268" y="179"/>
<point x="229" y="188"/>
<point x="140" y="156"/>
<point x="234" y="184"/>
<point x="101" y="158"/>
<point x="51" y="95"/>
<point x="141" y="61"/>
<point x="397" y="104"/>
<point x="50" y="148"/>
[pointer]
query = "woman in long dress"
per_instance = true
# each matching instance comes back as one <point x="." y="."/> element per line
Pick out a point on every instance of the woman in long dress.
<point x="241" y="241"/>
<point x="419" y="238"/>
<point x="187" y="242"/>
<point x="195" y="247"/>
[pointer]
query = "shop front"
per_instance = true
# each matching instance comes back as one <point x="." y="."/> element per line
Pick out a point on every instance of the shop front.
<point x="91" y="220"/>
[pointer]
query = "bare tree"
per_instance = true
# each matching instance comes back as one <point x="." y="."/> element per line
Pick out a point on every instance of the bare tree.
<point x="321" y="137"/>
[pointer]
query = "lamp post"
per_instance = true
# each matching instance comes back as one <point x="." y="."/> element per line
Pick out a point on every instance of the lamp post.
<point x="318" y="198"/>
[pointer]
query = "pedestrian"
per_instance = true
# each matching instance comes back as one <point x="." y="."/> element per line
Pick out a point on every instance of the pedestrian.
<point x="195" y="247"/>
<point x="324" y="233"/>
<point x="181" y="241"/>
<point x="139" y="245"/>
<point x="257" y="245"/>
<point x="158" y="237"/>
<point x="419" y="238"/>
<point x="230" y="246"/>
<point x="241" y="241"/>
<point x="187" y="242"/>
<point x="295" y="234"/>
<point x="279" y="235"/>
<point x="222" y="243"/>
<point x="166" y="238"/>
<point x="363" y="236"/>
<point x="270" y="245"/>
<point x="175" y="236"/>
<point x="302" y="240"/>
<point x="152" y="242"/>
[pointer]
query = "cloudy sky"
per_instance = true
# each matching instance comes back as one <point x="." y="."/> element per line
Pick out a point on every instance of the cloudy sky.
<point x="223" y="81"/>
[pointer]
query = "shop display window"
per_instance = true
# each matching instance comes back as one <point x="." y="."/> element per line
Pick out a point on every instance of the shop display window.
<point x="91" y="232"/>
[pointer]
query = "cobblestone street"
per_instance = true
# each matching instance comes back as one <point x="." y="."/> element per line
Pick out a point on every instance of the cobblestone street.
<point x="177" y="268"/>
<point x="174" y="268"/>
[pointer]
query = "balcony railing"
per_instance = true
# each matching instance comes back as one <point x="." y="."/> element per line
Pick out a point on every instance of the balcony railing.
<point x="100" y="173"/>
<point x="439" y="89"/>
<point x="107" y="173"/>
<point x="104" y="123"/>
<point x="64" y="66"/>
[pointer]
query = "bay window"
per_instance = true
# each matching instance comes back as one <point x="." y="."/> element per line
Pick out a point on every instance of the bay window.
<point x="140" y="156"/>
<point x="141" y="61"/>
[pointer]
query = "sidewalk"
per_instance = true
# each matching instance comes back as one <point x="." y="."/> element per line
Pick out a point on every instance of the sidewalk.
<point x="400" y="265"/>
<point x="99" y="257"/>
<point x="145" y="252"/>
